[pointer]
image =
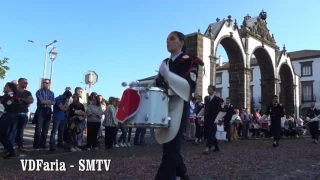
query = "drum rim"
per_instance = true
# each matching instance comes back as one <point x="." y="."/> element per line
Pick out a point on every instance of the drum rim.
<point x="149" y="89"/>
<point x="148" y="125"/>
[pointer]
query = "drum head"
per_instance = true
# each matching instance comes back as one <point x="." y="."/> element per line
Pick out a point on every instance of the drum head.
<point x="128" y="105"/>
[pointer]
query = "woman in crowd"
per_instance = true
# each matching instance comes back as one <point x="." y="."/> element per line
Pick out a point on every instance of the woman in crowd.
<point x="9" y="120"/>
<point x="234" y="125"/>
<point x="76" y="123"/>
<point x="94" y="115"/>
<point x="110" y="122"/>
<point x="103" y="107"/>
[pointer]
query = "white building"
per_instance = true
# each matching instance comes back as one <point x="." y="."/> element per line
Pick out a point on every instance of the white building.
<point x="305" y="61"/>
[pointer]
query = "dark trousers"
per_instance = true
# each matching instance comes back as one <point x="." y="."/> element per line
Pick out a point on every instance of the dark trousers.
<point x="172" y="164"/>
<point x="109" y="136"/>
<point x="227" y="129"/>
<point x="211" y="130"/>
<point x="122" y="138"/>
<point x="93" y="130"/>
<point x="129" y="134"/>
<point x="276" y="129"/>
<point x="42" y="127"/>
<point x="314" y="130"/>
<point x="9" y="123"/>
<point x="199" y="129"/>
<point x="139" y="135"/>
<point x="22" y="122"/>
<point x="115" y="134"/>
<point x="58" y="126"/>
<point x="240" y="126"/>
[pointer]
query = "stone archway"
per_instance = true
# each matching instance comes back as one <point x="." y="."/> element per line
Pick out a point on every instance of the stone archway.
<point x="237" y="71"/>
<point x="267" y="76"/>
<point x="287" y="89"/>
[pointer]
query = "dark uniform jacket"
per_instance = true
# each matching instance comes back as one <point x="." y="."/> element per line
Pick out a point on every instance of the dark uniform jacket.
<point x="212" y="108"/>
<point x="11" y="103"/>
<point x="198" y="107"/>
<point x="229" y="109"/>
<point x="312" y="113"/>
<point x="276" y="112"/>
<point x="185" y="66"/>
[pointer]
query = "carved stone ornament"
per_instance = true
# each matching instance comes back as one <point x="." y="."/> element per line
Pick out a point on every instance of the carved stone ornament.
<point x="259" y="29"/>
<point x="229" y="21"/>
<point x="235" y="25"/>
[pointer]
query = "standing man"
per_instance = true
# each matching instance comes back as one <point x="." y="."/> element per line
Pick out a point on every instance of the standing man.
<point x="26" y="99"/>
<point x="227" y="118"/>
<point x="59" y="119"/>
<point x="45" y="99"/>
<point x="276" y="112"/>
<point x="213" y="105"/>
<point x="313" y="125"/>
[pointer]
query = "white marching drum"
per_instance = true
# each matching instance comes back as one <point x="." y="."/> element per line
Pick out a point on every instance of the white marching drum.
<point x="153" y="109"/>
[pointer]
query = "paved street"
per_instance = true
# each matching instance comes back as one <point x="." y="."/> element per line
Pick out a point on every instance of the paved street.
<point x="29" y="134"/>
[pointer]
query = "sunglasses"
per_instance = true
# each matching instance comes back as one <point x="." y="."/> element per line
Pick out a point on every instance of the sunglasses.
<point x="45" y="82"/>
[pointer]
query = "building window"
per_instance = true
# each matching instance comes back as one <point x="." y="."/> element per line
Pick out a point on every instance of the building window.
<point x="307" y="91"/>
<point x="306" y="68"/>
<point x="251" y="75"/>
<point x="219" y="92"/>
<point x="219" y="78"/>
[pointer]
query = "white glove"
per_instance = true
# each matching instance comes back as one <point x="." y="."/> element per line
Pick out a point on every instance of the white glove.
<point x="133" y="84"/>
<point x="216" y="121"/>
<point x="164" y="69"/>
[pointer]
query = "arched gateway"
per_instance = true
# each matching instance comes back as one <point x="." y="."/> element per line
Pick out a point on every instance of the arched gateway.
<point x="240" y="43"/>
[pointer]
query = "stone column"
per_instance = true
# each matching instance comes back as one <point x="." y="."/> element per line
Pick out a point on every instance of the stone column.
<point x="247" y="73"/>
<point x="268" y="87"/>
<point x="239" y="89"/>
<point x="213" y="63"/>
<point x="278" y="86"/>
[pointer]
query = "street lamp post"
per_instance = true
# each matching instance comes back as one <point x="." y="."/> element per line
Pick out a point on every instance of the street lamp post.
<point x="46" y="55"/>
<point x="53" y="54"/>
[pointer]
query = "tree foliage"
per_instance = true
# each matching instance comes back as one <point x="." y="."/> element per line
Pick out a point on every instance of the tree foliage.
<point x="4" y="67"/>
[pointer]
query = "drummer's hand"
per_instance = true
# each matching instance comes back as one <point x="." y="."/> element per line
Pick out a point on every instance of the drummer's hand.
<point x="216" y="121"/>
<point x="164" y="69"/>
<point x="133" y="84"/>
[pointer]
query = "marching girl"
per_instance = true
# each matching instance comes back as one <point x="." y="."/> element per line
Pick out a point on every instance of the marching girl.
<point x="9" y="120"/>
<point x="178" y="76"/>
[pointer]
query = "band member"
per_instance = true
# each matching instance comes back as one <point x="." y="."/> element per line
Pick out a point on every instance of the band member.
<point x="178" y="75"/>
<point x="314" y="125"/>
<point x="199" y="126"/>
<point x="212" y="107"/>
<point x="227" y="118"/>
<point x="276" y="112"/>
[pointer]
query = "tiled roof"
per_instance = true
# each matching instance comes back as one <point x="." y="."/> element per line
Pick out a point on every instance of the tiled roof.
<point x="295" y="55"/>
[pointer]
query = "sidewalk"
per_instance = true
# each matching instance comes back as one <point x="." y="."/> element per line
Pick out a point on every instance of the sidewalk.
<point x="29" y="135"/>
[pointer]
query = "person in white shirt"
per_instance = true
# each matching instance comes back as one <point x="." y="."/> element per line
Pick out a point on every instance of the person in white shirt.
<point x="191" y="127"/>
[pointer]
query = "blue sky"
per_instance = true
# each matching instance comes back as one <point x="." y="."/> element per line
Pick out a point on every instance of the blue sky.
<point x="126" y="40"/>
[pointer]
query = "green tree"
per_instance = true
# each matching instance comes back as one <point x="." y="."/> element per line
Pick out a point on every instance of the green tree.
<point x="3" y="67"/>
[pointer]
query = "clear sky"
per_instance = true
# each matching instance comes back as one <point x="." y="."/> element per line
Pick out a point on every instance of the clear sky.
<point x="126" y="40"/>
